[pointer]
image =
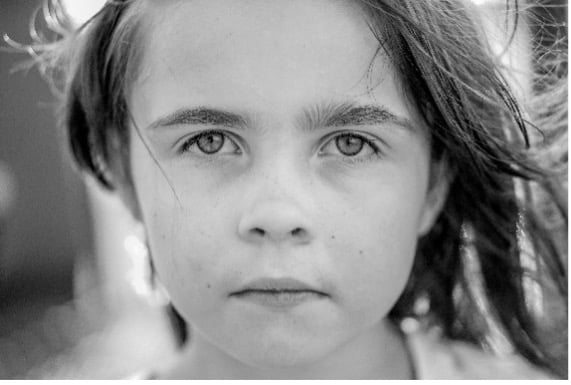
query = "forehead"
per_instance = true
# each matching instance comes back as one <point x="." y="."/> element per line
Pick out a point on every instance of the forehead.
<point x="213" y="51"/>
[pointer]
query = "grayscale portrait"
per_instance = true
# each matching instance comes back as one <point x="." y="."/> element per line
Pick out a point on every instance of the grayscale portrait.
<point x="283" y="189"/>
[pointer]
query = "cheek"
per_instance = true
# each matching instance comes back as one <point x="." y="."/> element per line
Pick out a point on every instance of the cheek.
<point x="182" y="239"/>
<point x="187" y="259"/>
<point x="375" y="247"/>
<point x="375" y="271"/>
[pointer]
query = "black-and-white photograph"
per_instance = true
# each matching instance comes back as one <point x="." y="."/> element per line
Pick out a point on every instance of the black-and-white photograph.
<point x="283" y="189"/>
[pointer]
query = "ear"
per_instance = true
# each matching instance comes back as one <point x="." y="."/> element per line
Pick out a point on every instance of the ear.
<point x="437" y="192"/>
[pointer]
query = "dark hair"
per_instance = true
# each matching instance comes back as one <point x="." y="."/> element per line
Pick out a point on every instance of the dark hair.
<point x="498" y="232"/>
<point x="471" y="268"/>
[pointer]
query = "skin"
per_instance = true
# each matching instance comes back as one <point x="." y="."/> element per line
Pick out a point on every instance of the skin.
<point x="281" y="197"/>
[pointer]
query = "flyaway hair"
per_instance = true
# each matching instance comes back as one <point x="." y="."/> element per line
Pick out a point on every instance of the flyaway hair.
<point x="500" y="237"/>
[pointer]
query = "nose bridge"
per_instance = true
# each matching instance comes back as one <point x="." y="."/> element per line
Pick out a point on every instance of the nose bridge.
<point x="282" y="174"/>
<point x="278" y="201"/>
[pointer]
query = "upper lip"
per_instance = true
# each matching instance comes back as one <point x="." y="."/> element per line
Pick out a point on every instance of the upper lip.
<point x="277" y="284"/>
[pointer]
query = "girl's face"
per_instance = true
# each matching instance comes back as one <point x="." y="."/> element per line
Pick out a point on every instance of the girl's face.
<point x="282" y="179"/>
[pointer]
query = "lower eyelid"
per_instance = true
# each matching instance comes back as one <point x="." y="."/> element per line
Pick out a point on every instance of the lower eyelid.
<point x="182" y="148"/>
<point x="375" y="144"/>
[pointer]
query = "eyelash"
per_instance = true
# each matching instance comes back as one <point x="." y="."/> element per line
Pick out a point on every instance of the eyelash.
<point x="193" y="140"/>
<point x="371" y="143"/>
<point x="187" y="144"/>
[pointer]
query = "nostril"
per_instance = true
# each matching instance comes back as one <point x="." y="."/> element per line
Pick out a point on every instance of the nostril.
<point x="258" y="231"/>
<point x="297" y="231"/>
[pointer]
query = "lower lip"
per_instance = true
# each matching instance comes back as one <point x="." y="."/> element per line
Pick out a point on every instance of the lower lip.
<point x="282" y="299"/>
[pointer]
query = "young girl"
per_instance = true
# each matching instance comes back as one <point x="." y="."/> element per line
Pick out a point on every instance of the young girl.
<point x="329" y="188"/>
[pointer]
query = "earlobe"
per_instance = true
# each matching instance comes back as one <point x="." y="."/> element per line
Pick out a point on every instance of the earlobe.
<point x="439" y="185"/>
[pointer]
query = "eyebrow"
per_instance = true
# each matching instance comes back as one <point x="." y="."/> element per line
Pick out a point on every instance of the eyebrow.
<point x="320" y="116"/>
<point x="199" y="116"/>
<point x="340" y="115"/>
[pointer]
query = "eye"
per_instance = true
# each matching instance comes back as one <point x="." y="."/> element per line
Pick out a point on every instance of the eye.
<point x="210" y="143"/>
<point x="350" y="145"/>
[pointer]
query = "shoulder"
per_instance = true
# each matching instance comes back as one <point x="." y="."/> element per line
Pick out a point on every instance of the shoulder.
<point x="437" y="358"/>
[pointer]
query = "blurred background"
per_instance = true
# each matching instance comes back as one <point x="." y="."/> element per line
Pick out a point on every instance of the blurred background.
<point x="73" y="297"/>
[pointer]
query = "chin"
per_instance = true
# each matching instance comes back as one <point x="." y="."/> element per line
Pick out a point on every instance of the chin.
<point x="285" y="353"/>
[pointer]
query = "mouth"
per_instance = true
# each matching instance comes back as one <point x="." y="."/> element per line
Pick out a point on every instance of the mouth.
<point x="279" y="293"/>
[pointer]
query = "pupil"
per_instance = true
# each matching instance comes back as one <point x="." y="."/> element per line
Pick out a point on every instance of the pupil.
<point x="349" y="145"/>
<point x="210" y="143"/>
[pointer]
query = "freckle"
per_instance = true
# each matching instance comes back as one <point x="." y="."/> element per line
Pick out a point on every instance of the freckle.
<point x="333" y="237"/>
<point x="208" y="286"/>
<point x="360" y="252"/>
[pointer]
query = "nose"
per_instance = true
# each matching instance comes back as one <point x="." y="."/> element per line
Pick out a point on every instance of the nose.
<point x="275" y="221"/>
<point x="278" y="197"/>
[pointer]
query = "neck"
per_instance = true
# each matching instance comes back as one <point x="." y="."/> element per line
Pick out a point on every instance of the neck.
<point x="377" y="353"/>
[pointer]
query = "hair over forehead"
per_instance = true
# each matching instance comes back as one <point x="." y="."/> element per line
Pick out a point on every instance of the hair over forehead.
<point x="110" y="46"/>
